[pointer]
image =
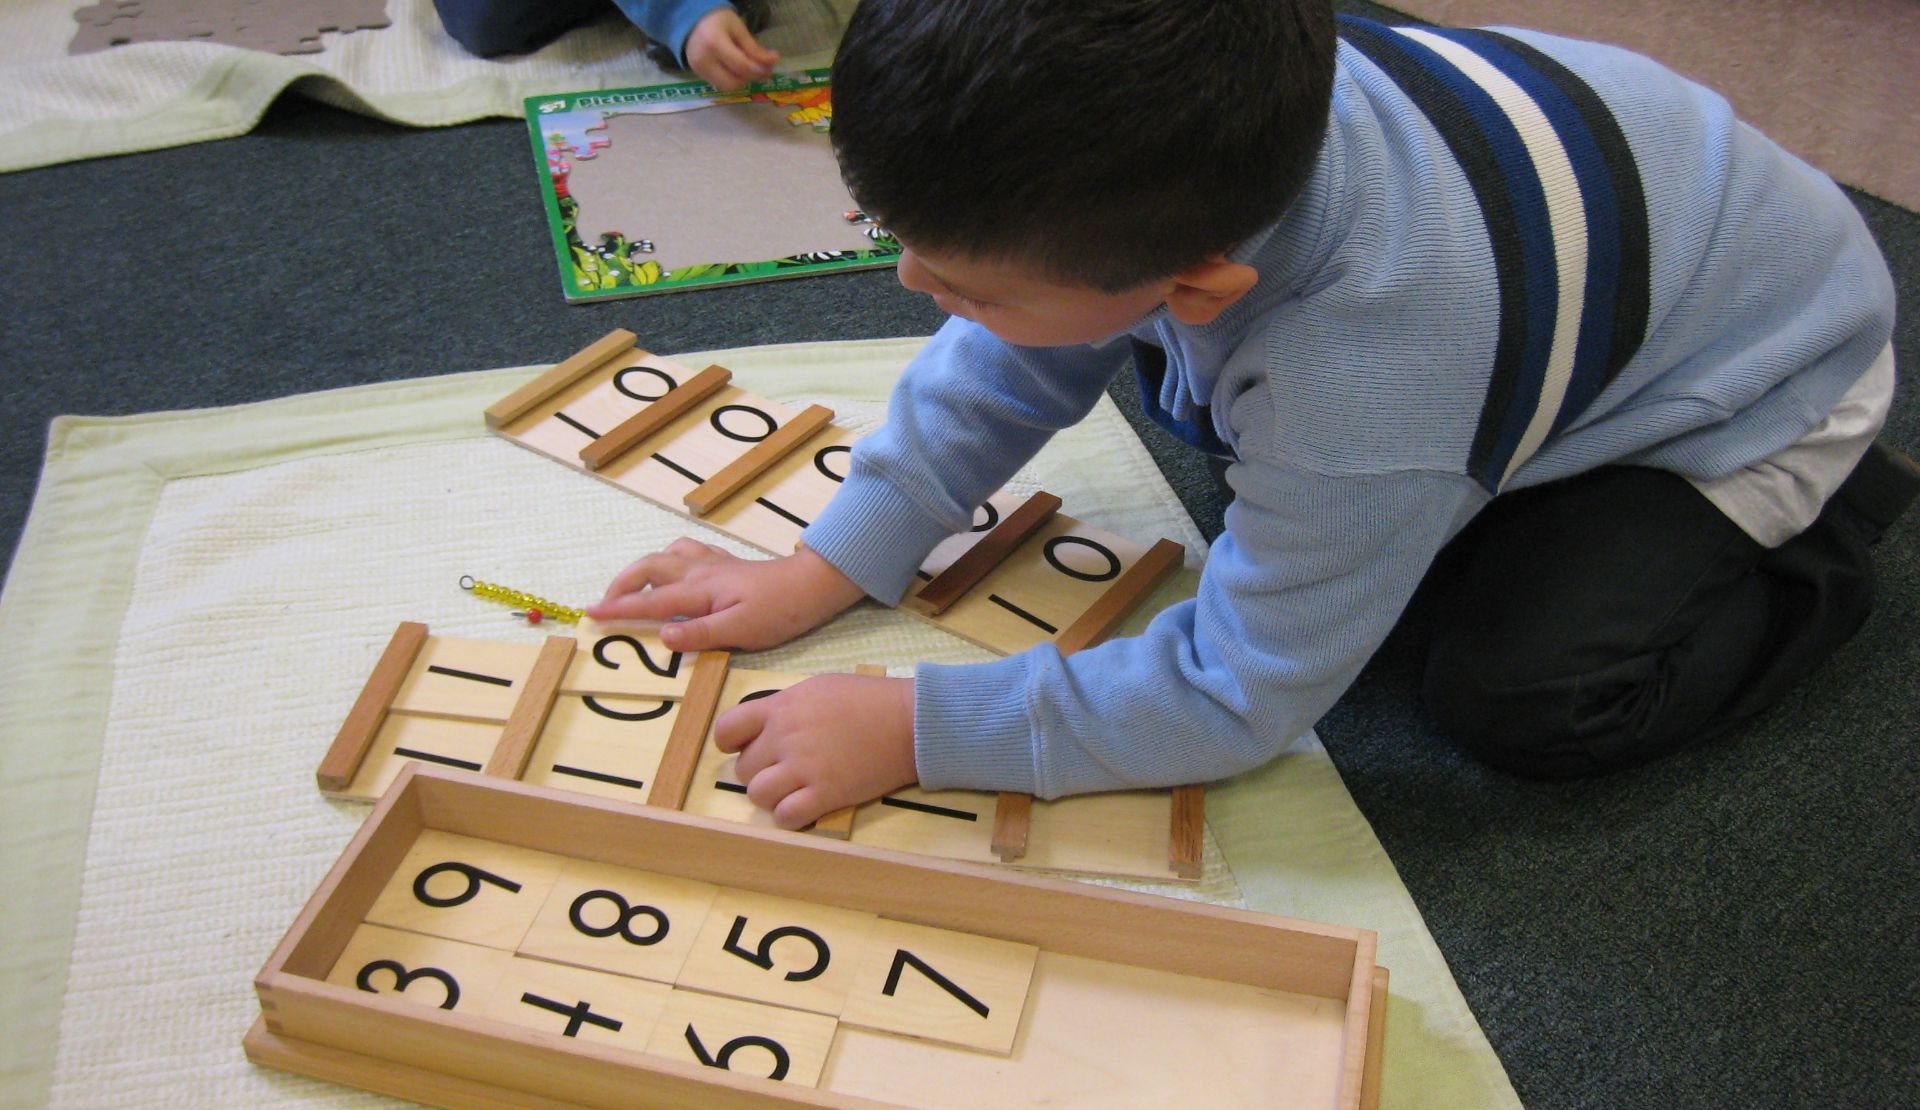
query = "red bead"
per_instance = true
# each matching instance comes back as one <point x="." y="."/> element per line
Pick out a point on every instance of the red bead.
<point x="535" y="616"/>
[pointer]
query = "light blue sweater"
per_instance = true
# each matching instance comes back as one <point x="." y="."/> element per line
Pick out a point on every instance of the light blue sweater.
<point x="1545" y="288"/>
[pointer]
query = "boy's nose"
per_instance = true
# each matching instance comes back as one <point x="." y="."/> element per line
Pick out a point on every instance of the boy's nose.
<point x="912" y="276"/>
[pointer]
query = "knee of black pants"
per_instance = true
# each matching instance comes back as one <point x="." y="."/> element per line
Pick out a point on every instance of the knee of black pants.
<point x="1528" y="717"/>
<point x="1508" y="709"/>
<point x="1548" y="702"/>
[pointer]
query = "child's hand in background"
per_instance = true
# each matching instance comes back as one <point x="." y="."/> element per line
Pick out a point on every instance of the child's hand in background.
<point x="725" y="54"/>
<point x="831" y="741"/>
<point x="718" y="600"/>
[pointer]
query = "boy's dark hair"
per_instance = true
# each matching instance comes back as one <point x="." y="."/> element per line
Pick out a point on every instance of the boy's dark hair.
<point x="1104" y="143"/>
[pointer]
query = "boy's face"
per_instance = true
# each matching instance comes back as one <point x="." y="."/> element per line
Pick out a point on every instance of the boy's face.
<point x="1020" y="308"/>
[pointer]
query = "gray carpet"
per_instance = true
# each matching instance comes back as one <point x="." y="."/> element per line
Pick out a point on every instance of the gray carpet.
<point x="1731" y="927"/>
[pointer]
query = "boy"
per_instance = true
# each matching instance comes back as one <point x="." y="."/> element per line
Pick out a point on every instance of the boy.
<point x="1389" y="278"/>
<point x="714" y="38"/>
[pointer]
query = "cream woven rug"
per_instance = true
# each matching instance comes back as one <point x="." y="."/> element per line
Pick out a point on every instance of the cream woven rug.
<point x="56" y="107"/>
<point x="199" y="595"/>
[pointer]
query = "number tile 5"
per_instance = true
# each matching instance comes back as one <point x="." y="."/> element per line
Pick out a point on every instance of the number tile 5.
<point x="777" y="950"/>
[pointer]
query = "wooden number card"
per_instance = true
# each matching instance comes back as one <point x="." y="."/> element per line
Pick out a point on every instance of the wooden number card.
<point x="487" y="942"/>
<point x="777" y="950"/>
<point x="745" y="1038"/>
<point x="419" y="969"/>
<point x="466" y="889"/>
<point x="638" y="923"/>
<point x="940" y="985"/>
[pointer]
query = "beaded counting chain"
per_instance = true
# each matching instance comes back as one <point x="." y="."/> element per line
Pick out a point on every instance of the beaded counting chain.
<point x="697" y="445"/>
<point x="532" y="608"/>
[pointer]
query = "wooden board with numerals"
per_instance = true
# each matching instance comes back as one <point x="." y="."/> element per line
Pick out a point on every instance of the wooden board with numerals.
<point x="699" y="445"/>
<point x="615" y="714"/>
<point x="487" y="942"/>
<point x="1025" y="573"/>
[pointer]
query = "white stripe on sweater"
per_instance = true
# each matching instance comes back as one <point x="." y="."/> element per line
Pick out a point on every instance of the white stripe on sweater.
<point x="1566" y="212"/>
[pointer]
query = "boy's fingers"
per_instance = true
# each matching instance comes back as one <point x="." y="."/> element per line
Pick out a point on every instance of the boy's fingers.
<point x="800" y="808"/>
<point x="734" y="627"/>
<point x="690" y="634"/>
<point x="632" y="577"/>
<point x="659" y="603"/>
<point x="733" y="65"/>
<point x="772" y="786"/>
<point x="750" y="49"/>
<point x="667" y="565"/>
<point x="736" y="728"/>
<point x="759" y="55"/>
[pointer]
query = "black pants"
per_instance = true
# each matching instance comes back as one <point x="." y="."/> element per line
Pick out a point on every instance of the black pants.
<point x="490" y="28"/>
<point x="1615" y="617"/>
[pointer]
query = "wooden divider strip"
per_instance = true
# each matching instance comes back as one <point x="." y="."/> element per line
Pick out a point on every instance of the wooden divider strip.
<point x="530" y="710"/>
<point x="582" y="362"/>
<point x="1186" y="839"/>
<point x="789" y="437"/>
<point x="1012" y="823"/>
<point x="351" y="744"/>
<point x="689" y="735"/>
<point x="635" y="429"/>
<point x="978" y="561"/>
<point x="1134" y="586"/>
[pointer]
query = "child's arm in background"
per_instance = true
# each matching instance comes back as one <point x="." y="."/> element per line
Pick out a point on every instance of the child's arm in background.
<point x="708" y="35"/>
<point x="724" y="52"/>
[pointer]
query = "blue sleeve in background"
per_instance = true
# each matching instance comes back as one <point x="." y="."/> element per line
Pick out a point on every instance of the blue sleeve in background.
<point x="668" y="22"/>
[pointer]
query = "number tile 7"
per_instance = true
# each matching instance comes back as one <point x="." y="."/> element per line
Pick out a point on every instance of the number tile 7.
<point x="942" y="985"/>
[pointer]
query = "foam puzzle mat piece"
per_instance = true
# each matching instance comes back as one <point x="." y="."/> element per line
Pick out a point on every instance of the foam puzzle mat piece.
<point x="263" y="25"/>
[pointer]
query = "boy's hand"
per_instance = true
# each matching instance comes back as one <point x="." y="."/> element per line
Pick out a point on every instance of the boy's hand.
<point x="718" y="600"/>
<point x="831" y="741"/>
<point x="723" y="52"/>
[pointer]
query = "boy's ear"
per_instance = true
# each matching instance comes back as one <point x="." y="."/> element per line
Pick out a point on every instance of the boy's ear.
<point x="1202" y="292"/>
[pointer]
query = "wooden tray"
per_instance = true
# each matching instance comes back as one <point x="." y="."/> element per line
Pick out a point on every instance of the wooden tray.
<point x="1131" y="997"/>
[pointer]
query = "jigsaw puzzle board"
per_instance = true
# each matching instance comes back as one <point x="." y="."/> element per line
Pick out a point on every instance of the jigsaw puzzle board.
<point x="859" y="975"/>
<point x="649" y="190"/>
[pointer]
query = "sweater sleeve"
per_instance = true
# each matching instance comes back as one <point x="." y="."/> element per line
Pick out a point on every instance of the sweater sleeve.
<point x="1305" y="583"/>
<point x="966" y="414"/>
<point x="668" y="22"/>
